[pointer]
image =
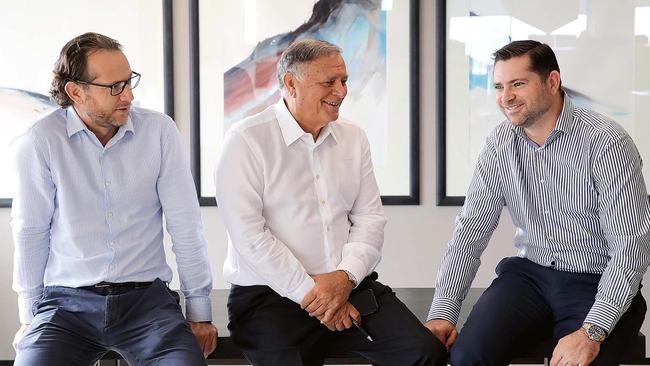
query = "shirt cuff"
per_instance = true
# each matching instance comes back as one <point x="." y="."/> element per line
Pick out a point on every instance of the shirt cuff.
<point x="26" y="308"/>
<point x="198" y="309"/>
<point x="299" y="293"/>
<point x="604" y="315"/>
<point x="354" y="266"/>
<point x="444" y="308"/>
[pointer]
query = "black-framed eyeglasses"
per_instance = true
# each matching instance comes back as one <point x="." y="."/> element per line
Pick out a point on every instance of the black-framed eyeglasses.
<point x="117" y="88"/>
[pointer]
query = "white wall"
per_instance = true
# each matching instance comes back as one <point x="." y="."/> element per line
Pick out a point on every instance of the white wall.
<point x="416" y="236"/>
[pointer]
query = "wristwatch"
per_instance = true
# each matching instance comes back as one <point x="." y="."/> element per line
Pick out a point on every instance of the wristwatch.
<point x="351" y="278"/>
<point x="594" y="332"/>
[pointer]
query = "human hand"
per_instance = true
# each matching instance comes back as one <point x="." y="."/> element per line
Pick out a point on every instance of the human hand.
<point x="206" y="336"/>
<point x="575" y="349"/>
<point x="329" y="293"/>
<point x="19" y="335"/>
<point x="342" y="318"/>
<point x="443" y="330"/>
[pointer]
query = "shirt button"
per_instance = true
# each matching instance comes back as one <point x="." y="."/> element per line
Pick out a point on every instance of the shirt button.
<point x="329" y="228"/>
<point x="322" y="202"/>
<point x="317" y="176"/>
<point x="110" y="214"/>
<point x="552" y="263"/>
<point x="546" y="212"/>
<point x="107" y="184"/>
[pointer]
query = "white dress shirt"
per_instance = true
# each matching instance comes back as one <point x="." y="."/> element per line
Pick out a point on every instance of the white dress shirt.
<point x="84" y="213"/>
<point x="296" y="207"/>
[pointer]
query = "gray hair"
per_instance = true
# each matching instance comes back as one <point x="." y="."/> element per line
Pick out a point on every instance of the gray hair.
<point x="301" y="52"/>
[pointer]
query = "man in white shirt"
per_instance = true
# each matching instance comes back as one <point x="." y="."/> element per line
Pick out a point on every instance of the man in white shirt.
<point x="296" y="188"/>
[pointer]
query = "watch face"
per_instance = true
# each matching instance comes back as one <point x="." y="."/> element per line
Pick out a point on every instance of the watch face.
<point x="595" y="333"/>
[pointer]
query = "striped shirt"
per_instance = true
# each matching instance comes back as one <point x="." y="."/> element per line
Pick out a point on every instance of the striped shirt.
<point x="578" y="203"/>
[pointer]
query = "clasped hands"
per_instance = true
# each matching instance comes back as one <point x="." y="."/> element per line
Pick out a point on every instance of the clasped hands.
<point x="328" y="301"/>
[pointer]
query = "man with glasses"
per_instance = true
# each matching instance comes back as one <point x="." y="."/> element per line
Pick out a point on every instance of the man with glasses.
<point x="93" y="179"/>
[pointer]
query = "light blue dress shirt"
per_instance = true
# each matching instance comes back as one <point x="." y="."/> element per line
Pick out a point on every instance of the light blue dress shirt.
<point x="84" y="213"/>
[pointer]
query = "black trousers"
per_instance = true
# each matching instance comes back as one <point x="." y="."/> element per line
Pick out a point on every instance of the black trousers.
<point x="273" y="330"/>
<point x="528" y="303"/>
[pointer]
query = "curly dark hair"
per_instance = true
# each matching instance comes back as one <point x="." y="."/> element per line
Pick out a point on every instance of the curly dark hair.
<point x="73" y="62"/>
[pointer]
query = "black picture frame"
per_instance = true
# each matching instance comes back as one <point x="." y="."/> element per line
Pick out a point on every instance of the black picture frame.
<point x="441" y="39"/>
<point x="168" y="68"/>
<point x="442" y="198"/>
<point x="413" y="196"/>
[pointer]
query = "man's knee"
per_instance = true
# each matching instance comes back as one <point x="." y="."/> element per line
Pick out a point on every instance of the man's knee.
<point x="469" y="352"/>
<point x="179" y="358"/>
<point x="426" y="349"/>
<point x="464" y="356"/>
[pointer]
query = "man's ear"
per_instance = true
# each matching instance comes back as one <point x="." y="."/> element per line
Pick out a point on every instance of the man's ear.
<point x="290" y="84"/>
<point x="74" y="92"/>
<point x="553" y="80"/>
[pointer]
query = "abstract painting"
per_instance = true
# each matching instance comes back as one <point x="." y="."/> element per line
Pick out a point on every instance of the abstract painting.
<point x="33" y="38"/>
<point x="237" y="78"/>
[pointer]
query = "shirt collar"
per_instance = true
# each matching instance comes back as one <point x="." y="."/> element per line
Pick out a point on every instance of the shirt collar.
<point x="291" y="130"/>
<point x="565" y="121"/>
<point x="74" y="123"/>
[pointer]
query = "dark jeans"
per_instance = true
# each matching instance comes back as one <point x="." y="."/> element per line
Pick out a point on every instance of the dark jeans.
<point x="528" y="303"/>
<point x="273" y="330"/>
<point x="76" y="326"/>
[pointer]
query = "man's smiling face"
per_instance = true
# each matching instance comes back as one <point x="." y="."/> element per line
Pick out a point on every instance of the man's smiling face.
<point x="319" y="91"/>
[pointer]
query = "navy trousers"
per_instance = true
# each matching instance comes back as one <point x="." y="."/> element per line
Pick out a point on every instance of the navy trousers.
<point x="528" y="303"/>
<point x="76" y="326"/>
<point x="272" y="330"/>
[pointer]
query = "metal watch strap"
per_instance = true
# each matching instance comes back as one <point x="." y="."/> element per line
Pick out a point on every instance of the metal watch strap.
<point x="351" y="277"/>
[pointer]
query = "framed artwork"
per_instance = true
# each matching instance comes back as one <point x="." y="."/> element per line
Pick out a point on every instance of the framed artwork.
<point x="32" y="38"/>
<point x="603" y="53"/>
<point x="235" y="49"/>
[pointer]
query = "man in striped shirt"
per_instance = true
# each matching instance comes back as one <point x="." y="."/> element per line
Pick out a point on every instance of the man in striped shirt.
<point x="572" y="182"/>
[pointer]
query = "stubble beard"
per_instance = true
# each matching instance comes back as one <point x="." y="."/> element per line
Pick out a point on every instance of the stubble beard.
<point x="530" y="116"/>
<point x="105" y="121"/>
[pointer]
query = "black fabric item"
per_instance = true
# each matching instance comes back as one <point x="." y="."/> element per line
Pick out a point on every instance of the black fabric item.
<point x="273" y="330"/>
<point x="528" y="303"/>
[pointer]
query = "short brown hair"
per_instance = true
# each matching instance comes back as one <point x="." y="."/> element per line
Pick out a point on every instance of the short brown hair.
<point x="73" y="62"/>
<point x="542" y="57"/>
